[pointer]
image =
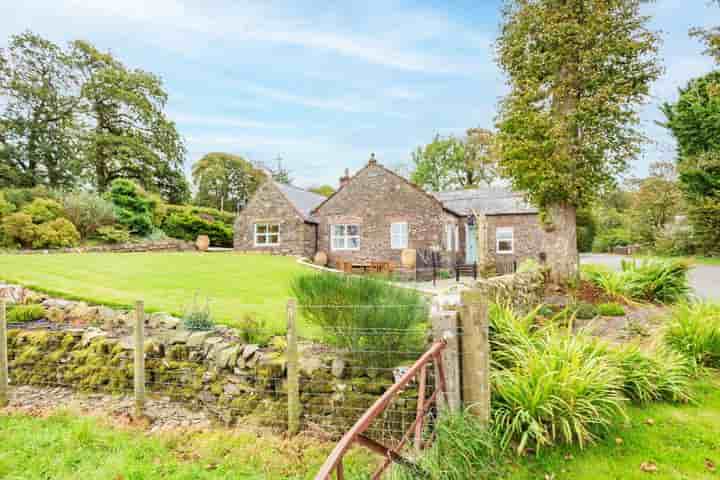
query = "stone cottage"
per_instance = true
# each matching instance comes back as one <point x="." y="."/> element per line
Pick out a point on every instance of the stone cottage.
<point x="377" y="214"/>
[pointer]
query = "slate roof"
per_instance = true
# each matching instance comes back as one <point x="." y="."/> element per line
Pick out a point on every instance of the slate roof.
<point x="489" y="201"/>
<point x="303" y="201"/>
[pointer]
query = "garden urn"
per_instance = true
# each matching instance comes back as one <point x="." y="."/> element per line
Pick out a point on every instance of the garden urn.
<point x="320" y="258"/>
<point x="202" y="243"/>
<point x="408" y="257"/>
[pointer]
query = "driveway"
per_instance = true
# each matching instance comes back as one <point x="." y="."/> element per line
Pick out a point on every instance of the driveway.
<point x="705" y="279"/>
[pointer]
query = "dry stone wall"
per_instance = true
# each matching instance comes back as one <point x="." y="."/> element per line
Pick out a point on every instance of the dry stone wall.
<point x="164" y="246"/>
<point x="522" y="290"/>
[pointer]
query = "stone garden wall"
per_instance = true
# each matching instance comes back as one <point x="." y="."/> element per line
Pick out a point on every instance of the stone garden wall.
<point x="163" y="246"/>
<point x="522" y="290"/>
<point x="90" y="348"/>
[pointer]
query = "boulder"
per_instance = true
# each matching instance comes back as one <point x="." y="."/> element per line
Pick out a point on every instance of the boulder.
<point x="308" y="365"/>
<point x="226" y="357"/>
<point x="196" y="339"/>
<point x="249" y="351"/>
<point x="82" y="314"/>
<point x="163" y="320"/>
<point x="338" y="368"/>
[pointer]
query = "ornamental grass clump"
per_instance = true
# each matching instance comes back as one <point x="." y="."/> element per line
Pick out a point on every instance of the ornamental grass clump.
<point x="198" y="317"/>
<point x="562" y="389"/>
<point x="375" y="322"/>
<point x="25" y="313"/>
<point x="694" y="331"/>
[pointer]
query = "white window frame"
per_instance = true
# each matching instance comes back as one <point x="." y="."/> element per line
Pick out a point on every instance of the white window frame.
<point x="267" y="234"/>
<point x="399" y="239"/>
<point x="448" y="237"/>
<point x="456" y="244"/>
<point x="505" y="230"/>
<point x="344" y="237"/>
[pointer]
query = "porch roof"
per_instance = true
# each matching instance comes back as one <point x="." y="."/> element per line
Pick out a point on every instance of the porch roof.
<point x="487" y="201"/>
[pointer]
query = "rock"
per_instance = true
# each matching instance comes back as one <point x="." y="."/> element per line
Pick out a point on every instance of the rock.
<point x="163" y="320"/>
<point x="127" y="342"/>
<point x="308" y="365"/>
<point x="82" y="314"/>
<point x="196" y="339"/>
<point x="92" y="334"/>
<point x="226" y="357"/>
<point x="55" y="314"/>
<point x="249" y="351"/>
<point x="107" y="316"/>
<point x="176" y="337"/>
<point x="338" y="368"/>
<point x="212" y="344"/>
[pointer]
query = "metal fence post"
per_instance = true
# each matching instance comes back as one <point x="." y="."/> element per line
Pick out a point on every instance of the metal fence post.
<point x="475" y="345"/>
<point x="4" y="397"/>
<point x="293" y="374"/>
<point x="139" y="358"/>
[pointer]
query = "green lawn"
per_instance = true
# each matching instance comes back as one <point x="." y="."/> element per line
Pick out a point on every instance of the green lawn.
<point x="679" y="442"/>
<point x="236" y="284"/>
<point x="66" y="447"/>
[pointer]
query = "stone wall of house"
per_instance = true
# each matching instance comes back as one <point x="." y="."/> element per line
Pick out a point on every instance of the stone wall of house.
<point x="269" y="205"/>
<point x="374" y="199"/>
<point x="162" y="246"/>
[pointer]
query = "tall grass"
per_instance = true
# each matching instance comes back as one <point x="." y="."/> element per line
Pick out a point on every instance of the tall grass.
<point x="463" y="449"/>
<point x="694" y="331"/>
<point x="367" y="317"/>
<point x="651" y="280"/>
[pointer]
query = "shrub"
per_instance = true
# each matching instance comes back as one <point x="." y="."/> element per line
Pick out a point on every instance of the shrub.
<point x="6" y="207"/>
<point x="615" y="237"/>
<point x="463" y="449"/>
<point x="111" y="234"/>
<point x="56" y="234"/>
<point x="374" y="320"/>
<point x="658" y="375"/>
<point x="253" y="330"/>
<point x="133" y="206"/>
<point x="611" y="283"/>
<point x="611" y="310"/>
<point x="584" y="311"/>
<point x="694" y="331"/>
<point x="88" y="212"/>
<point x="43" y="210"/>
<point x="19" y="229"/>
<point x="188" y="226"/>
<point x="562" y="390"/>
<point x="25" y="313"/>
<point x="23" y="196"/>
<point x="510" y="331"/>
<point x="198" y="317"/>
<point x="209" y="214"/>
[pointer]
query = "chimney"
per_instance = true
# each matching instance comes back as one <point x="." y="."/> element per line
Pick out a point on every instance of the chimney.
<point x="345" y="179"/>
<point x="372" y="160"/>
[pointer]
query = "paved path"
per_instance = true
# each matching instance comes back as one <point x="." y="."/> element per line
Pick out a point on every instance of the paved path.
<point x="705" y="279"/>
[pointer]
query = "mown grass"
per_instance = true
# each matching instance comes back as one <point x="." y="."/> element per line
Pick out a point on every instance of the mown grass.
<point x="65" y="447"/>
<point x="237" y="285"/>
<point x="683" y="441"/>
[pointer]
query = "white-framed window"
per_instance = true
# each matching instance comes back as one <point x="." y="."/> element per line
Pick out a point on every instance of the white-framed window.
<point x="267" y="234"/>
<point x="456" y="244"/>
<point x="504" y="240"/>
<point x="398" y="235"/>
<point x="345" y="237"/>
<point x="449" y="243"/>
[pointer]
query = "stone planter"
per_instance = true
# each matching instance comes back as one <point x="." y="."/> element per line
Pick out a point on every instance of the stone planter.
<point x="320" y="259"/>
<point x="202" y="243"/>
<point x="408" y="258"/>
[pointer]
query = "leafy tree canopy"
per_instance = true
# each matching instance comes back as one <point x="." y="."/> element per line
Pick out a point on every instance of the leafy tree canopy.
<point x="324" y="190"/>
<point x="578" y="71"/>
<point x="225" y="181"/>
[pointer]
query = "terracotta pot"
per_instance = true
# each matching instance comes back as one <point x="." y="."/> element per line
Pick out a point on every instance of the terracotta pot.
<point x="320" y="258"/>
<point x="202" y="243"/>
<point x="408" y="257"/>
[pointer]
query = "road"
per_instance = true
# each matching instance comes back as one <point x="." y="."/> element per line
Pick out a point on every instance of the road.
<point x="705" y="279"/>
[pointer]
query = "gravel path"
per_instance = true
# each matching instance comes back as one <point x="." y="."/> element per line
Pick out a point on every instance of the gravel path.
<point x="705" y="279"/>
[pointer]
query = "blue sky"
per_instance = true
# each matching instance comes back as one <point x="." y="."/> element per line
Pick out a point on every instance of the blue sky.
<point x="323" y="86"/>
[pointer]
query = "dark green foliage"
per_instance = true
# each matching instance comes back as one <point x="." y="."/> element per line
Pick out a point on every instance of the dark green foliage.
<point x="462" y="449"/>
<point x="375" y="321"/>
<point x="611" y="310"/>
<point x="187" y="226"/>
<point x="209" y="214"/>
<point x="133" y="206"/>
<point x="112" y="234"/>
<point x="584" y="311"/>
<point x="25" y="313"/>
<point x="586" y="229"/>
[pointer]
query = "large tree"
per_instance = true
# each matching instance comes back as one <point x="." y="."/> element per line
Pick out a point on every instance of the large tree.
<point x="38" y="121"/>
<point x="225" y="181"/>
<point x="694" y="121"/>
<point x="129" y="134"/>
<point x="578" y="70"/>
<point x="455" y="163"/>
<point x="655" y="203"/>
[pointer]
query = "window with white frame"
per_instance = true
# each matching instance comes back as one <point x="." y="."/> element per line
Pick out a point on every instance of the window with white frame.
<point x="450" y="242"/>
<point x="504" y="240"/>
<point x="345" y="237"/>
<point x="398" y="235"/>
<point x="267" y="234"/>
<point x="456" y="244"/>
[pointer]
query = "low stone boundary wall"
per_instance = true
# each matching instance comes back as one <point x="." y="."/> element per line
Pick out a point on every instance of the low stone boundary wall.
<point x="522" y="290"/>
<point x="163" y="246"/>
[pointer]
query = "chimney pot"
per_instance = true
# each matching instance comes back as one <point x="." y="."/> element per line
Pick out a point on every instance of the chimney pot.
<point x="372" y="160"/>
<point x="345" y="179"/>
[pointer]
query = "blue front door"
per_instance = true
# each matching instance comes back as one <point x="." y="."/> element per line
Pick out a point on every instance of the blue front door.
<point x="471" y="243"/>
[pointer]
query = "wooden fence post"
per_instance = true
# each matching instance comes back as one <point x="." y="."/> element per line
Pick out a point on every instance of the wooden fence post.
<point x="475" y="347"/>
<point x="139" y="358"/>
<point x="4" y="396"/>
<point x="293" y="374"/>
<point x="445" y="327"/>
